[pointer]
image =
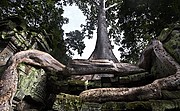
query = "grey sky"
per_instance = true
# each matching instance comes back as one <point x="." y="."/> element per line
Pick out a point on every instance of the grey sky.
<point x="76" y="18"/>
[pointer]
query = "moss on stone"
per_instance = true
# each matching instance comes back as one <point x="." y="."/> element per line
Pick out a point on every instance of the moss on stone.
<point x="66" y="102"/>
<point x="164" y="34"/>
<point x="32" y="82"/>
<point x="173" y="45"/>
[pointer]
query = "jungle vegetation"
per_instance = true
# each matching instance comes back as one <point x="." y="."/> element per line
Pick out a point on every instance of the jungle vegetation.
<point x="131" y="24"/>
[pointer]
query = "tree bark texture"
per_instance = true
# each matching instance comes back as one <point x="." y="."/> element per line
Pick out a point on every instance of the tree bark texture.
<point x="149" y="91"/>
<point x="89" y="67"/>
<point x="103" y="48"/>
<point x="9" y="79"/>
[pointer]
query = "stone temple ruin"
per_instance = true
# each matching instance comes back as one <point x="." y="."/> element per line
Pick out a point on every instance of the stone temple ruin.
<point x="88" y="85"/>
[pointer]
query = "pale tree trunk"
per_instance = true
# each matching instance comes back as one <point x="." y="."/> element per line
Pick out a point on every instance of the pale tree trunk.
<point x="103" y="48"/>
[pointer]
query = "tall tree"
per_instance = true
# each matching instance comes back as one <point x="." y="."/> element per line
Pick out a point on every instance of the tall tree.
<point x="103" y="48"/>
<point x="95" y="10"/>
<point x="130" y="23"/>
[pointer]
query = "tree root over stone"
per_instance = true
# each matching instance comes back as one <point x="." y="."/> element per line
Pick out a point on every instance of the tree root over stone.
<point x="149" y="91"/>
<point x="9" y="79"/>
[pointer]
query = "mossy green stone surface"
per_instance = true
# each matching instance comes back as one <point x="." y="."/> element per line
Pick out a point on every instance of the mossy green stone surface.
<point x="173" y="45"/>
<point x="65" y="102"/>
<point x="32" y="82"/>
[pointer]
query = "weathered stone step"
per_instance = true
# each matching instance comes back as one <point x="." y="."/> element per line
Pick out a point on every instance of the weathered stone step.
<point x="85" y="67"/>
<point x="65" y="102"/>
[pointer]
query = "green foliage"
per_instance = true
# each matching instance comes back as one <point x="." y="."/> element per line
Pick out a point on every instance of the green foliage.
<point x="74" y="41"/>
<point x="90" y="10"/>
<point x="42" y="17"/>
<point x="142" y="20"/>
<point x="131" y="23"/>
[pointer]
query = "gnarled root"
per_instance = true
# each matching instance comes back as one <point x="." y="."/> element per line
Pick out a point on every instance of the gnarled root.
<point x="149" y="91"/>
<point x="9" y="80"/>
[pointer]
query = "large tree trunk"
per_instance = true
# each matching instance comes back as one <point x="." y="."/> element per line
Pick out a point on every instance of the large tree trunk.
<point x="103" y="49"/>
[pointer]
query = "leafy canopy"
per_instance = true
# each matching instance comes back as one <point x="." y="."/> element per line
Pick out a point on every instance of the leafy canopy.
<point x="44" y="17"/>
<point x="131" y="23"/>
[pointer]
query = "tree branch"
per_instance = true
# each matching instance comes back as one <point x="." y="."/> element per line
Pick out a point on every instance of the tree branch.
<point x="115" y="4"/>
<point x="95" y="2"/>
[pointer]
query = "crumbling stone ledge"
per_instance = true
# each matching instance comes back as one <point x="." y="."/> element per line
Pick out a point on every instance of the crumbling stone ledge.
<point x="149" y="91"/>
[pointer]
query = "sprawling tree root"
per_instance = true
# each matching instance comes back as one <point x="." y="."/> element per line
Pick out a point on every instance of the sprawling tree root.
<point x="149" y="91"/>
<point x="9" y="80"/>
